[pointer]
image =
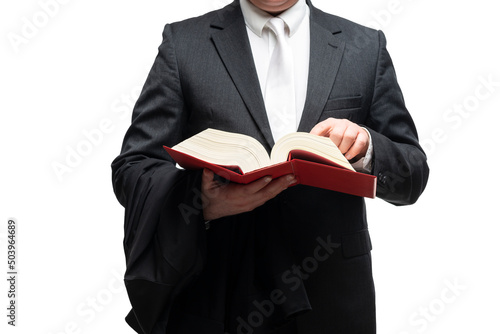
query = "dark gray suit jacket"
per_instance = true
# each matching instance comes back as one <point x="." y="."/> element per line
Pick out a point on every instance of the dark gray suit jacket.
<point x="204" y="76"/>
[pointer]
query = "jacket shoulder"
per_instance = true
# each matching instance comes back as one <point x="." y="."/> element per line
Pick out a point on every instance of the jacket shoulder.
<point x="201" y="24"/>
<point x="349" y="30"/>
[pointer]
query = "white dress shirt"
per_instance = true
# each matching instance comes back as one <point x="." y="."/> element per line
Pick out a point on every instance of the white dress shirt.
<point x="297" y="31"/>
<point x="263" y="41"/>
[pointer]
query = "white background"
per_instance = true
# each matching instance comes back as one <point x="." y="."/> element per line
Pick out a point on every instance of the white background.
<point x="78" y="69"/>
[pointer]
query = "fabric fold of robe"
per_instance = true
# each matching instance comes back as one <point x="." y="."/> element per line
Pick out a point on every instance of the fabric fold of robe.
<point x="165" y="245"/>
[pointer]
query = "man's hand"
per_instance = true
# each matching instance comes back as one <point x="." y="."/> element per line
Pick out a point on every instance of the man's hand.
<point x="351" y="139"/>
<point x="220" y="200"/>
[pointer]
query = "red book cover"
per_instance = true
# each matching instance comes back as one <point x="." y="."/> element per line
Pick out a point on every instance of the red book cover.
<point x="308" y="168"/>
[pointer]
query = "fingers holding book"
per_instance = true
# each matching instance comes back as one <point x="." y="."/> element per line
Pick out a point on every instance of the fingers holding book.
<point x="226" y="199"/>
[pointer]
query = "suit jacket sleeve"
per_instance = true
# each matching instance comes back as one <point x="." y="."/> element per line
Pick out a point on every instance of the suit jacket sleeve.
<point x="164" y="235"/>
<point x="398" y="160"/>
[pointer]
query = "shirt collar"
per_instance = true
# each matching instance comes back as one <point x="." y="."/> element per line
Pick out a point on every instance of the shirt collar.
<point x="256" y="18"/>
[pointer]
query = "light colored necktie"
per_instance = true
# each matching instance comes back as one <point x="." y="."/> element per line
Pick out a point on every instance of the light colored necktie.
<point x="280" y="87"/>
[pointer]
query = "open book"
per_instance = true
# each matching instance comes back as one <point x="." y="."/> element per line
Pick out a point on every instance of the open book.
<point x="315" y="161"/>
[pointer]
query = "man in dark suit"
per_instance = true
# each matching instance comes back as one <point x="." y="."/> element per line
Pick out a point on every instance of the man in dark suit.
<point x="206" y="256"/>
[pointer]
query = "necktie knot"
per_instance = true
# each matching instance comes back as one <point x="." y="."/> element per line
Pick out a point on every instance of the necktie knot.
<point x="277" y="25"/>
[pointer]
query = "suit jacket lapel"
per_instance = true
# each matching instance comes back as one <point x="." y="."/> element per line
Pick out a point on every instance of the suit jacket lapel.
<point x="326" y="54"/>
<point x="230" y="37"/>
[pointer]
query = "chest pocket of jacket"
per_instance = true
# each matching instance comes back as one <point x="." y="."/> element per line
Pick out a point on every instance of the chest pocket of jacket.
<point x="342" y="108"/>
